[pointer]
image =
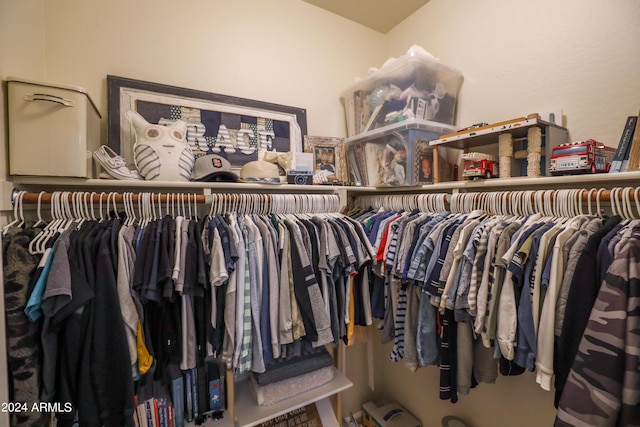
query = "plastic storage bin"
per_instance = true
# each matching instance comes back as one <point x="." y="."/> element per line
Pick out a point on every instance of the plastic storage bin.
<point x="53" y="129"/>
<point x="395" y="155"/>
<point x="416" y="85"/>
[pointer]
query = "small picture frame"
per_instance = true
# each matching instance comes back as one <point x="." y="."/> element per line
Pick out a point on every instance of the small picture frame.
<point x="426" y="163"/>
<point x="328" y="158"/>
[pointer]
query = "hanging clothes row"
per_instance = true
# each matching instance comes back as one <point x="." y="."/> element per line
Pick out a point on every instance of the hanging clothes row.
<point x="114" y="300"/>
<point x="499" y="280"/>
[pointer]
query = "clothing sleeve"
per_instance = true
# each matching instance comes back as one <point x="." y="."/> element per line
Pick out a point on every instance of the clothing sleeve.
<point x="609" y="349"/>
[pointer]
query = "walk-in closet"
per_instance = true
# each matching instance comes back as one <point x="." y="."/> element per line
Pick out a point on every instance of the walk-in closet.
<point x="388" y="293"/>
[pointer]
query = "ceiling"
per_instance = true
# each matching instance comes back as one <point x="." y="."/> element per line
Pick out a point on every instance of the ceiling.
<point x="379" y="15"/>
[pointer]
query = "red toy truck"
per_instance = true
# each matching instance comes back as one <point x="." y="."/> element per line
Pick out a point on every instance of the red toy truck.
<point x="589" y="156"/>
<point x="479" y="165"/>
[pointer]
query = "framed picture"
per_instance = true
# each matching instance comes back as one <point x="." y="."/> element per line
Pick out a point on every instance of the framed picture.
<point x="328" y="157"/>
<point x="425" y="169"/>
<point x="231" y="127"/>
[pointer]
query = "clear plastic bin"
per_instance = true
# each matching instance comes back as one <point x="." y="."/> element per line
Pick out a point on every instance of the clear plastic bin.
<point x="395" y="155"/>
<point x="415" y="86"/>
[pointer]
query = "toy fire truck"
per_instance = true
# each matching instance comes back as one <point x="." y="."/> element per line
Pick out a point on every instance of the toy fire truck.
<point x="589" y="156"/>
<point x="479" y="165"/>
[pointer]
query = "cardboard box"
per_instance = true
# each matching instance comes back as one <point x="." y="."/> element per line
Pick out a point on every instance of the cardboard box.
<point x="53" y="129"/>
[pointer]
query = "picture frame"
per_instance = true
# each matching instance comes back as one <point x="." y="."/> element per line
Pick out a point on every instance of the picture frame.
<point x="231" y="127"/>
<point x="328" y="157"/>
<point x="426" y="163"/>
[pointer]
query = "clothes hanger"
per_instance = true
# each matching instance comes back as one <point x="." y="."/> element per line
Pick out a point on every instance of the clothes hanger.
<point x="108" y="207"/>
<point x="39" y="210"/>
<point x="613" y="194"/>
<point x="115" y="207"/>
<point x="127" y="209"/>
<point x="21" y="209"/>
<point x="63" y="224"/>
<point x="140" y="206"/>
<point x="598" y="207"/>
<point x="81" y="216"/>
<point x="100" y="211"/>
<point x="142" y="209"/>
<point x="34" y="245"/>
<point x="627" y="203"/>
<point x="589" y="199"/>
<point x="16" y="219"/>
<point x="135" y="219"/>
<point x="153" y="216"/>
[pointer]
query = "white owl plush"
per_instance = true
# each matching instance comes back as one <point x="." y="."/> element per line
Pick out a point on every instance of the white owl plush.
<point x="161" y="153"/>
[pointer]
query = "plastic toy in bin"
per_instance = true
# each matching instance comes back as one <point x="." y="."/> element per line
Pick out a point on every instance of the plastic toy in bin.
<point x="479" y="165"/>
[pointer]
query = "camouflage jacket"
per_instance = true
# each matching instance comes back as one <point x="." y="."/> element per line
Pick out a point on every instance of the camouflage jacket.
<point x="603" y="387"/>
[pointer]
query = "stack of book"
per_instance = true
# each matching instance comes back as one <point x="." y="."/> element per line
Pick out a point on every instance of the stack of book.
<point x="191" y="395"/>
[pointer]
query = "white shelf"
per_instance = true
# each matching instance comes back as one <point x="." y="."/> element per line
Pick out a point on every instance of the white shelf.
<point x="249" y="413"/>
<point x="62" y="182"/>
<point x="517" y="183"/>
<point x="585" y="180"/>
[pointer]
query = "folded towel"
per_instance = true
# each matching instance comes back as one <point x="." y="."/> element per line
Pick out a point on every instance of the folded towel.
<point x="288" y="368"/>
<point x="276" y="392"/>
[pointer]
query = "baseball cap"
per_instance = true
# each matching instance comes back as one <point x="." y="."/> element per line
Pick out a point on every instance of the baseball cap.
<point x="260" y="171"/>
<point x="213" y="168"/>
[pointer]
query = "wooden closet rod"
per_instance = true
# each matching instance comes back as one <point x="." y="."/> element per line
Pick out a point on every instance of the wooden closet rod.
<point x="94" y="197"/>
<point x="586" y="195"/>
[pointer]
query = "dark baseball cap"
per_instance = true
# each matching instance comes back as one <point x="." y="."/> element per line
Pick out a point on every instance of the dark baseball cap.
<point x="213" y="168"/>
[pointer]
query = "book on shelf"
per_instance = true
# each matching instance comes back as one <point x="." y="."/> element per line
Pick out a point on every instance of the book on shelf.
<point x="216" y="400"/>
<point x="362" y="164"/>
<point x="177" y="394"/>
<point x="621" y="156"/>
<point x="163" y="412"/>
<point x="141" y="410"/>
<point x="374" y="157"/>
<point x="136" y="421"/>
<point x="152" y="415"/>
<point x="194" y="394"/>
<point x="634" y="149"/>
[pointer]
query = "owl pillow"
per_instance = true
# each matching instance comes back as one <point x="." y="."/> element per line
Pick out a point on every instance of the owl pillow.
<point x="161" y="153"/>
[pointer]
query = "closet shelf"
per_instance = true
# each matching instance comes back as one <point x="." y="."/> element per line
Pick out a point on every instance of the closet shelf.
<point x="132" y="185"/>
<point x="519" y="183"/>
<point x="35" y="184"/>
<point x="248" y="413"/>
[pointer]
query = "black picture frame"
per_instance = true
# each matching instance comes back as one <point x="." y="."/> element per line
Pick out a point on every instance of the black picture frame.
<point x="126" y="93"/>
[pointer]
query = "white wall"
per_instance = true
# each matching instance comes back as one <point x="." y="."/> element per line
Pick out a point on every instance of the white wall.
<point x="282" y="51"/>
<point x="523" y="57"/>
<point x="21" y="54"/>
<point x="518" y="58"/>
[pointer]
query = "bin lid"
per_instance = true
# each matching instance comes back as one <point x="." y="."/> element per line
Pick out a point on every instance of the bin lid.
<point x="409" y="124"/>
<point x="55" y="86"/>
